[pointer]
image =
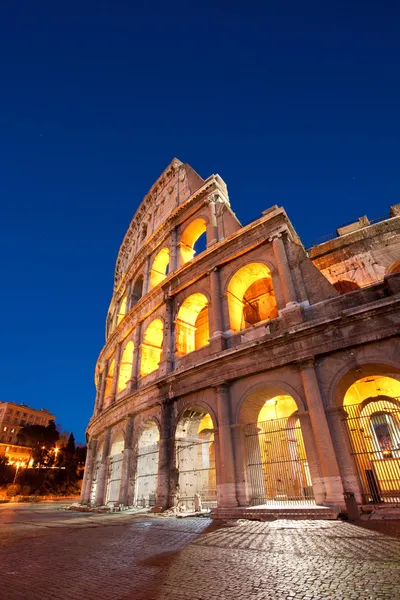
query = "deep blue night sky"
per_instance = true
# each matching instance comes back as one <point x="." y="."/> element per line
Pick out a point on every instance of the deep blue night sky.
<point x="295" y="104"/>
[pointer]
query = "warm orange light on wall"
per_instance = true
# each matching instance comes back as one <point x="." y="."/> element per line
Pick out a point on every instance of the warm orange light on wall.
<point x="370" y="387"/>
<point x="125" y="367"/>
<point x="122" y="309"/>
<point x="152" y="347"/>
<point x="109" y="378"/>
<point x="159" y="268"/>
<point x="189" y="237"/>
<point x="251" y="297"/>
<point x="192" y="331"/>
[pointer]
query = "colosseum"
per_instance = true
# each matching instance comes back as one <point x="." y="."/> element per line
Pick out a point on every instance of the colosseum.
<point x="242" y="372"/>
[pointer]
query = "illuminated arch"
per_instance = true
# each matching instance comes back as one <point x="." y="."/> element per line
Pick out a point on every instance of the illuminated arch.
<point x="122" y="309"/>
<point x="159" y="268"/>
<point x="152" y="347"/>
<point x="192" y="331"/>
<point x="251" y="296"/>
<point x="109" y="379"/>
<point x="394" y="268"/>
<point x="125" y="367"/>
<point x="137" y="291"/>
<point x="191" y="234"/>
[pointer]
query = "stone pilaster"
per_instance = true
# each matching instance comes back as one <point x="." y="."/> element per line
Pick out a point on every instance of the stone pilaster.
<point x="226" y="488"/>
<point x="173" y="251"/>
<point x="217" y="339"/>
<point x="136" y="357"/>
<point x="127" y="461"/>
<point x="168" y="354"/>
<point x="165" y="458"/>
<point x="323" y="441"/>
<point x="117" y="358"/>
<point x="213" y="220"/>
<point x="312" y="458"/>
<point x="88" y="473"/>
<point x="284" y="271"/>
<point x="102" y="390"/>
<point x="146" y="276"/>
<point x="102" y="475"/>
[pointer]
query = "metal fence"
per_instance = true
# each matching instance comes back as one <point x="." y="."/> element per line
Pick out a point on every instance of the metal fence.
<point x="146" y="476"/>
<point x="277" y="466"/>
<point x="197" y="475"/>
<point x="374" y="429"/>
<point x="114" y="478"/>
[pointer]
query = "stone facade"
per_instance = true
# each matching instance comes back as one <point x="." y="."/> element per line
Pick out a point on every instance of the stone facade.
<point x="231" y="373"/>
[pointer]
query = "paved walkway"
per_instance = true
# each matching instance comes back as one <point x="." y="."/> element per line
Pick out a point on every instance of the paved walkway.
<point x="47" y="554"/>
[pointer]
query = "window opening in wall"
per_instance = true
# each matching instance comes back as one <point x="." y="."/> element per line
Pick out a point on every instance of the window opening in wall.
<point x="372" y="406"/>
<point x="195" y="462"/>
<point x="251" y="297"/>
<point x="159" y="269"/>
<point x="122" y="309"/>
<point x="152" y="347"/>
<point x="191" y="235"/>
<point x="145" y="490"/>
<point x="137" y="290"/>
<point x="125" y="368"/>
<point x="192" y="330"/>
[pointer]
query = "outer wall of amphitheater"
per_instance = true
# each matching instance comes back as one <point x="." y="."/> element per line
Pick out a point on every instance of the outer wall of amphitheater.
<point x="241" y="370"/>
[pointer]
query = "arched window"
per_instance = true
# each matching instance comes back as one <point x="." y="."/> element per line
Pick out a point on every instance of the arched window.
<point x="159" y="268"/>
<point x="191" y="238"/>
<point x="152" y="347"/>
<point x="109" y="379"/>
<point x="346" y="286"/>
<point x="137" y="291"/>
<point x="251" y="297"/>
<point x="125" y="367"/>
<point x="192" y="330"/>
<point x="122" y="309"/>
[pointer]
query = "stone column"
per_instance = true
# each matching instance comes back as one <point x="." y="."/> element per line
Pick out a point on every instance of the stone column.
<point x="312" y="458"/>
<point x="217" y="339"/>
<point x="88" y="474"/>
<point x="226" y="489"/>
<point x="341" y="441"/>
<point x="323" y="441"/>
<point x="129" y="297"/>
<point x="102" y="475"/>
<point x="102" y="389"/>
<point x="243" y="485"/>
<point x="127" y="461"/>
<point x="132" y="383"/>
<point x="146" y="276"/>
<point x="284" y="271"/>
<point x="117" y="358"/>
<point x="165" y="457"/>
<point x="173" y="251"/>
<point x="213" y="220"/>
<point x="168" y="354"/>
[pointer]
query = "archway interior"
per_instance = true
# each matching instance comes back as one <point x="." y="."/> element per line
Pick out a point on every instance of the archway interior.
<point x="251" y="297"/>
<point x="147" y="466"/>
<point x="159" y="269"/>
<point x="372" y="405"/>
<point x="195" y="461"/>
<point x="96" y="468"/>
<point x="109" y="380"/>
<point x="152" y="347"/>
<point x="191" y="243"/>
<point x="192" y="330"/>
<point x="122" y="309"/>
<point x="277" y="466"/>
<point x="114" y="470"/>
<point x="125" y="367"/>
<point x="137" y="291"/>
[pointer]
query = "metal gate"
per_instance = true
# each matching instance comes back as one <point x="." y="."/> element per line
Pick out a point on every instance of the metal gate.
<point x="146" y="476"/>
<point x="374" y="429"/>
<point x="277" y="466"/>
<point x="195" y="460"/>
<point x="114" y="478"/>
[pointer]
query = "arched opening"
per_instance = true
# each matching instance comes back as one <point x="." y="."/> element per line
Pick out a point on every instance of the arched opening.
<point x="192" y="331"/>
<point x="394" y="268"/>
<point x="137" y="291"/>
<point x="344" y="286"/>
<point x="159" y="269"/>
<point x="125" y="367"/>
<point x="152" y="347"/>
<point x="191" y="243"/>
<point x="276" y="462"/>
<point x="109" y="379"/>
<point x="251" y="297"/>
<point x="95" y="476"/>
<point x="147" y="466"/>
<point x="114" y="470"/>
<point x="195" y="462"/>
<point x="372" y="405"/>
<point x="122" y="309"/>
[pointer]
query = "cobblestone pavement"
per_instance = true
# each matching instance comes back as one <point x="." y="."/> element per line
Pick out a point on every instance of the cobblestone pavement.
<point x="53" y="555"/>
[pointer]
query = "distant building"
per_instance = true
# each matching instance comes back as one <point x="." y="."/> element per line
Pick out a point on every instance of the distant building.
<point x="15" y="416"/>
<point x="245" y="371"/>
<point x="16" y="454"/>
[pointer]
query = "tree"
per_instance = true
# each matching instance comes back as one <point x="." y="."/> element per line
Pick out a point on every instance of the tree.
<point x="41" y="439"/>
